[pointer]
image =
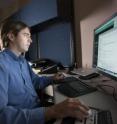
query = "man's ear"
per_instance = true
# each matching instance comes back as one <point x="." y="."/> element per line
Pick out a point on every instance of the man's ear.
<point x="11" y="36"/>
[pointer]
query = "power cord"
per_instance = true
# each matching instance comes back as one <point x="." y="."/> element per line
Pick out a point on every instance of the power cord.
<point x="114" y="91"/>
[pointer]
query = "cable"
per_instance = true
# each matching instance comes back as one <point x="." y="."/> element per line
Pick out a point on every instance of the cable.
<point x="114" y="91"/>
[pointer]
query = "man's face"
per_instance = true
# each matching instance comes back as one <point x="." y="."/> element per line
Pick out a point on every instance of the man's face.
<point x="23" y="40"/>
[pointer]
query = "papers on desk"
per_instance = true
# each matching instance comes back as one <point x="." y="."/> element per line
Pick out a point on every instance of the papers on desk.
<point x="36" y="71"/>
<point x="66" y="75"/>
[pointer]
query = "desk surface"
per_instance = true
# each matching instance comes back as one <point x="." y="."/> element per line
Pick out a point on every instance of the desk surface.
<point x="96" y="99"/>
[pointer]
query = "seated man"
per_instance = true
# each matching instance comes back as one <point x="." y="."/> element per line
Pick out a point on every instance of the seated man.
<point x="19" y="103"/>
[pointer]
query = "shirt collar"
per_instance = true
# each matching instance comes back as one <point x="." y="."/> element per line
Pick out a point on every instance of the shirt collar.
<point x="13" y="55"/>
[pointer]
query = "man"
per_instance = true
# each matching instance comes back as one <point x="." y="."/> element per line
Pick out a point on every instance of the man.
<point x="19" y="103"/>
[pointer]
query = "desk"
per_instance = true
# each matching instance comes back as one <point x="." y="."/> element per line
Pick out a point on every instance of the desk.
<point x="96" y="99"/>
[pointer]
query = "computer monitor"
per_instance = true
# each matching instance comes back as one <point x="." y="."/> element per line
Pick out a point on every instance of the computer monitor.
<point x="105" y="47"/>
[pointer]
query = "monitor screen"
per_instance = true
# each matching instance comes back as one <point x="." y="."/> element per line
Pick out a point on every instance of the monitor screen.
<point x="105" y="47"/>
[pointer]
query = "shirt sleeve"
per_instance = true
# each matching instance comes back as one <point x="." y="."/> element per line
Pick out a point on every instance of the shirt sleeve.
<point x="39" y="82"/>
<point x="11" y="114"/>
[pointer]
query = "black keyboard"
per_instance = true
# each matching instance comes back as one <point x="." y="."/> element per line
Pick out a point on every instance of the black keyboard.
<point x="104" y="117"/>
<point x="73" y="87"/>
<point x="97" y="117"/>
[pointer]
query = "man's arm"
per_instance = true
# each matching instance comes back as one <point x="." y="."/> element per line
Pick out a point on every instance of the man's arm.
<point x="42" y="82"/>
<point x="12" y="115"/>
<point x="39" y="82"/>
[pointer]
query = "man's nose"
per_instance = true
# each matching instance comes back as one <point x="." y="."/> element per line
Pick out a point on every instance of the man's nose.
<point x="30" y="40"/>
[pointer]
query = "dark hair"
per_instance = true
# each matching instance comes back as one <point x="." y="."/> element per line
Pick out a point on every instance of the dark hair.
<point x="11" y="26"/>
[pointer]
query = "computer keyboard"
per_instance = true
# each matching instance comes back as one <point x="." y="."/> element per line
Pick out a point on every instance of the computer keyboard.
<point x="73" y="87"/>
<point x="97" y="117"/>
<point x="105" y="117"/>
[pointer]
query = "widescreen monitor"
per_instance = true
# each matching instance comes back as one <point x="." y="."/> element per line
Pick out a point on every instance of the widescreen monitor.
<point x="105" y="47"/>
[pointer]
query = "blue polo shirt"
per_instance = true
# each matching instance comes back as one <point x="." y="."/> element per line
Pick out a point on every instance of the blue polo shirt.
<point x="19" y="103"/>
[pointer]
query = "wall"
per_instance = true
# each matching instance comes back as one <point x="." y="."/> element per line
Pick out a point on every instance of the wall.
<point x="56" y="43"/>
<point x="88" y="15"/>
<point x="37" y="11"/>
<point x="7" y="8"/>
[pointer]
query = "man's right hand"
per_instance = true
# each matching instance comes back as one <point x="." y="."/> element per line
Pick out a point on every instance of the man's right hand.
<point x="70" y="107"/>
